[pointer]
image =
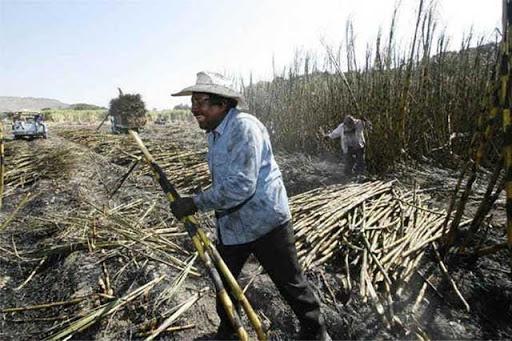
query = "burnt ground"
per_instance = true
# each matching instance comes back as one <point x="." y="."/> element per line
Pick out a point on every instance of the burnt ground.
<point x="84" y="177"/>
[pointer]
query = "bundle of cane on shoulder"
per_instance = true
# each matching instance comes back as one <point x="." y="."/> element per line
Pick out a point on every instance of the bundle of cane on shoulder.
<point x="209" y="254"/>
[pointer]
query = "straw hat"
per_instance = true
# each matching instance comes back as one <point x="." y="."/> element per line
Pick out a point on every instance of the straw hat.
<point x="214" y="83"/>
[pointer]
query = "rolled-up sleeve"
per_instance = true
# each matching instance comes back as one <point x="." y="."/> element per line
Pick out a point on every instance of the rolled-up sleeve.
<point x="240" y="172"/>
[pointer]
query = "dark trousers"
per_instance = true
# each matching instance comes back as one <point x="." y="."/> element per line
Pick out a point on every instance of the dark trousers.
<point x="354" y="161"/>
<point x="277" y="254"/>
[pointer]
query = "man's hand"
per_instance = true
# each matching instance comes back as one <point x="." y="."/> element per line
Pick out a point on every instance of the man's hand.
<point x="183" y="207"/>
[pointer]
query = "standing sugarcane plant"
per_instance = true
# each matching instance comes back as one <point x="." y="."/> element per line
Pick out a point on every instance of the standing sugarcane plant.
<point x="404" y="96"/>
<point x="499" y="102"/>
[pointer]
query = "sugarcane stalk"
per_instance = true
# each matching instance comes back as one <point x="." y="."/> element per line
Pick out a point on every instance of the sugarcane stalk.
<point x="376" y="260"/>
<point x="102" y="121"/>
<point x="485" y="206"/>
<point x="419" y="298"/>
<point x="41" y="262"/>
<point x="123" y="178"/>
<point x="451" y="205"/>
<point x="362" y="279"/>
<point x="347" y="271"/>
<point x="444" y="269"/>
<point x="373" y="294"/>
<point x="172" y="329"/>
<point x="20" y="206"/>
<point x="168" y="321"/>
<point x="489" y="250"/>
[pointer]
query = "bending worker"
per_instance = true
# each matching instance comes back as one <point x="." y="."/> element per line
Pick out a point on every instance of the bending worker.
<point x="351" y="134"/>
<point x="249" y="200"/>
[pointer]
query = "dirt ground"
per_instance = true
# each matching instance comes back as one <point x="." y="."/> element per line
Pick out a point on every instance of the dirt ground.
<point x="52" y="252"/>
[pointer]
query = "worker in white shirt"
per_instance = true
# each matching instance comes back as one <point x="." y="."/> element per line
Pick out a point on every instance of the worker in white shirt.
<point x="351" y="134"/>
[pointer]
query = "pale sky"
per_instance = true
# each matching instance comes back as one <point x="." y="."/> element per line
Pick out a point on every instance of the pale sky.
<point x="83" y="50"/>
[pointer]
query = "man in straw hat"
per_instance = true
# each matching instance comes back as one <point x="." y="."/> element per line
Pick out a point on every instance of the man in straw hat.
<point x="249" y="200"/>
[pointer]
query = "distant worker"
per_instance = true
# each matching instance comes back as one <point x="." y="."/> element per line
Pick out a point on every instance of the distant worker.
<point x="249" y="200"/>
<point x="351" y="135"/>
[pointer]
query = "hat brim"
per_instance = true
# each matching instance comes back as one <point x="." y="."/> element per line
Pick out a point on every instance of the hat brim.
<point x="214" y="89"/>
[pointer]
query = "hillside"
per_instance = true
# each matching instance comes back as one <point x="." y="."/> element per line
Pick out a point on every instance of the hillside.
<point x="11" y="103"/>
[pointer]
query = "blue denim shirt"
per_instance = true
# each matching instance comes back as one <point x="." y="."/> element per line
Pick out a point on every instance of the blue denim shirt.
<point x="247" y="192"/>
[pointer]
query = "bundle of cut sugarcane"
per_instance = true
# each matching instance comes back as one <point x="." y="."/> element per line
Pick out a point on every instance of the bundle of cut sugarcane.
<point x="375" y="228"/>
<point x="129" y="110"/>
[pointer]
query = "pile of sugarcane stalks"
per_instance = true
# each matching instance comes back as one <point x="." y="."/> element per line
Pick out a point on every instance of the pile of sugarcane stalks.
<point x="185" y="168"/>
<point x="376" y="232"/>
<point x="25" y="163"/>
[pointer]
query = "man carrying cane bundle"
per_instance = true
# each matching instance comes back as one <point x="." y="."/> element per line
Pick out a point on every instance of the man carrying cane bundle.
<point x="249" y="200"/>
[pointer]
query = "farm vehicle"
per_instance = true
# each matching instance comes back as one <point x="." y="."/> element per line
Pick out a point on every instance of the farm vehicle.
<point x="29" y="125"/>
<point x="126" y="112"/>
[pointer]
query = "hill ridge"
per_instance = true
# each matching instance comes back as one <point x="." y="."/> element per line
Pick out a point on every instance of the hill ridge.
<point x="15" y="103"/>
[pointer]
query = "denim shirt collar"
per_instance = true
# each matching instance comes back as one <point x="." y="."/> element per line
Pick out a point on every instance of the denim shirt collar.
<point x="220" y="128"/>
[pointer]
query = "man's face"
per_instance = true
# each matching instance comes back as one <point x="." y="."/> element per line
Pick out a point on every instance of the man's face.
<point x="208" y="115"/>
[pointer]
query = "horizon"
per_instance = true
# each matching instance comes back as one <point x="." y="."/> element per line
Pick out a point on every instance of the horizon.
<point x="82" y="51"/>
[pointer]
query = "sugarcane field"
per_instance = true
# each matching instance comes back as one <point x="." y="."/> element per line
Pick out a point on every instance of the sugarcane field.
<point x="124" y="221"/>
